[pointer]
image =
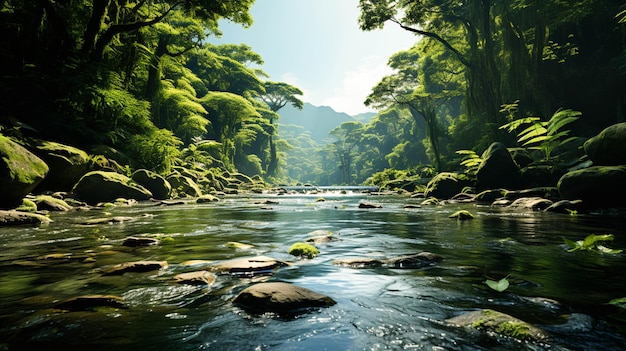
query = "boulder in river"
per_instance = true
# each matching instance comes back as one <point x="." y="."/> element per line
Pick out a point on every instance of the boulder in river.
<point x="490" y="321"/>
<point x="157" y="185"/>
<point x="13" y="217"/>
<point x="67" y="165"/>
<point x="608" y="148"/>
<point x="445" y="185"/>
<point x="100" y="186"/>
<point x="280" y="298"/>
<point x="597" y="186"/>
<point x="184" y="186"/>
<point x="497" y="170"/>
<point x="20" y="172"/>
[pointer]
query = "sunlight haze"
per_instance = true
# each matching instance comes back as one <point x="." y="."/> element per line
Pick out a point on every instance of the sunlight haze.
<point x="318" y="47"/>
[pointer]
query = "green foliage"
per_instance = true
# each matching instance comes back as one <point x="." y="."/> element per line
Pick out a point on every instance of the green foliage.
<point x="471" y="161"/>
<point x="544" y="135"/>
<point x="156" y="151"/>
<point x="499" y="285"/>
<point x="592" y="242"/>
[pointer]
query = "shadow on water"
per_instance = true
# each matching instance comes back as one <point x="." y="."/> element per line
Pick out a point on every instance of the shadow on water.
<point x="565" y="293"/>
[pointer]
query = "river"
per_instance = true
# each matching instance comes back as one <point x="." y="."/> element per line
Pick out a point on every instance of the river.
<point x="564" y="293"/>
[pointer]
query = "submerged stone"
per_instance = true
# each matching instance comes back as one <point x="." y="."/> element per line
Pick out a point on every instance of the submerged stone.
<point x="89" y="302"/>
<point x="249" y="265"/>
<point x="195" y="278"/>
<point x="135" y="267"/>
<point x="134" y="241"/>
<point x="415" y="261"/>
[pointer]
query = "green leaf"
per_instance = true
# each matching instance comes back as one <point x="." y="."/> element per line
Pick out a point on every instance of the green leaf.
<point x="574" y="245"/>
<point x="531" y="132"/>
<point x="499" y="285"/>
<point x="621" y="302"/>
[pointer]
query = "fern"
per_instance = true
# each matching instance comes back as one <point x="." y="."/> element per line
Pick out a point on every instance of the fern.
<point x="471" y="161"/>
<point x="544" y="135"/>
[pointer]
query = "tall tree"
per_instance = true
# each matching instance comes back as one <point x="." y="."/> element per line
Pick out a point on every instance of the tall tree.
<point x="277" y="95"/>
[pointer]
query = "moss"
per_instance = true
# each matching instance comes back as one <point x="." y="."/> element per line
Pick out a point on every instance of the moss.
<point x="19" y="159"/>
<point x="304" y="250"/>
<point x="52" y="200"/>
<point x="27" y="206"/>
<point x="462" y="215"/>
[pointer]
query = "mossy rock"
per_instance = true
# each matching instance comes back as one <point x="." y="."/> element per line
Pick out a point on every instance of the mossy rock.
<point x="184" y="186"/>
<point x="99" y="186"/>
<point x="67" y="165"/>
<point x="158" y="186"/>
<point x="27" y="206"/>
<point x="445" y="185"/>
<point x="608" y="148"/>
<point x="20" y="172"/>
<point x="462" y="215"/>
<point x="13" y="217"/>
<point x="303" y="250"/>
<point x="598" y="186"/>
<point x="49" y="203"/>
<point x="491" y="321"/>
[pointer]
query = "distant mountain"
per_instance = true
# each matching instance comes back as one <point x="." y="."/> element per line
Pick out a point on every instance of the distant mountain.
<point x="318" y="120"/>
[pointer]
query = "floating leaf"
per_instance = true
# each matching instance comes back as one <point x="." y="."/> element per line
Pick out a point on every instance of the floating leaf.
<point x="499" y="285"/>
<point x="621" y="302"/>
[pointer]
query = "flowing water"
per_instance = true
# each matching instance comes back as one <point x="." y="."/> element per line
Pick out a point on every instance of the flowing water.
<point x="565" y="293"/>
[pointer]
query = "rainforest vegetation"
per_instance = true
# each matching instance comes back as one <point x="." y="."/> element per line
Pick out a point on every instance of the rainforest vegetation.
<point x="143" y="80"/>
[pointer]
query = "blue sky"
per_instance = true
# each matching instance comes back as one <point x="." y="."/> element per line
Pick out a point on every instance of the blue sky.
<point x="317" y="46"/>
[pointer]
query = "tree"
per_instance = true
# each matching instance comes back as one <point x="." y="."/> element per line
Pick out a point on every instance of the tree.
<point x="424" y="82"/>
<point x="506" y="47"/>
<point x="277" y="95"/>
<point x="227" y="112"/>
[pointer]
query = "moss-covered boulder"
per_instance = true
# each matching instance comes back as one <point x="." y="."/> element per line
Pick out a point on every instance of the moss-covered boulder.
<point x="497" y="170"/>
<point x="445" y="185"/>
<point x="183" y="186"/>
<point x="100" y="186"/>
<point x="13" y="217"/>
<point x="494" y="322"/>
<point x="20" y="172"/>
<point x="67" y="165"/>
<point x="49" y="203"/>
<point x="608" y="148"/>
<point x="598" y="186"/>
<point x="158" y="186"/>
<point x="540" y="176"/>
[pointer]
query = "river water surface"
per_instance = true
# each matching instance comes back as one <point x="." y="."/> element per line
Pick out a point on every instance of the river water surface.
<point x="564" y="293"/>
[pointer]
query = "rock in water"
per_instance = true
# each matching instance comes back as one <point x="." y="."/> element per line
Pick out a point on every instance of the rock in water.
<point x="20" y="172"/>
<point x="498" y="170"/>
<point x="280" y="298"/>
<point x="99" y="186"/>
<point x="157" y="185"/>
<point x="491" y="321"/>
